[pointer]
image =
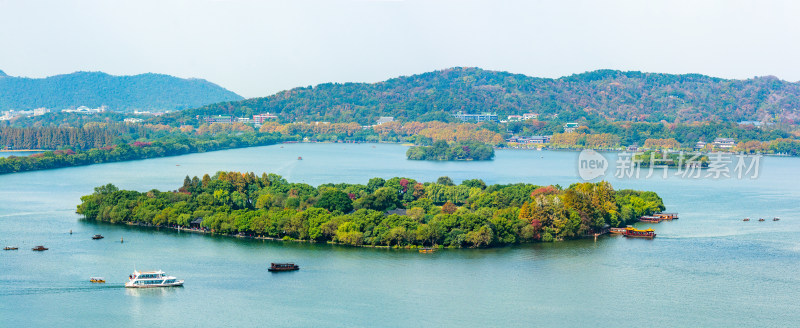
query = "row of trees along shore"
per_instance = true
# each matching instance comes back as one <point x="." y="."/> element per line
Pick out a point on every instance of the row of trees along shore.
<point x="172" y="145"/>
<point x="397" y="212"/>
<point x="598" y="135"/>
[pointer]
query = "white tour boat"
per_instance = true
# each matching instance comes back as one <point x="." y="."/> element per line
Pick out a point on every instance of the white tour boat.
<point x="144" y="279"/>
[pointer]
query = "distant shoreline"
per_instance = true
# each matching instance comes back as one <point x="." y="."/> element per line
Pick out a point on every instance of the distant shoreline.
<point x="21" y="150"/>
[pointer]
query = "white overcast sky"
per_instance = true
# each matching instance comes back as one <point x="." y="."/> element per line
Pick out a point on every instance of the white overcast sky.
<point x="256" y="48"/>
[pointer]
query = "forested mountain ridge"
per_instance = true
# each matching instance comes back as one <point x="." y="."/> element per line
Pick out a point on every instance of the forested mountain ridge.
<point x="153" y="92"/>
<point x="602" y="94"/>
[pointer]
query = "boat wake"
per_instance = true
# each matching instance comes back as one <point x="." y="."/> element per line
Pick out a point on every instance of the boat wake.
<point x="11" y="291"/>
<point x="27" y="213"/>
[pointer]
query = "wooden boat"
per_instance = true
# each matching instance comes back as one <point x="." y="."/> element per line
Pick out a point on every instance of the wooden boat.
<point x="617" y="230"/>
<point x="426" y="250"/>
<point x="776" y="219"/>
<point x="667" y="216"/>
<point x="761" y="220"/>
<point x="636" y="233"/>
<point x="40" y="248"/>
<point x="97" y="280"/>
<point x="651" y="219"/>
<point x="97" y="237"/>
<point x="278" y="267"/>
<point x="10" y="248"/>
<point x="746" y="219"/>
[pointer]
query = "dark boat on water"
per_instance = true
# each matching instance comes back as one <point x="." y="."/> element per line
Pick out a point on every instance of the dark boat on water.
<point x="40" y="248"/>
<point x="10" y="248"/>
<point x="278" y="267"/>
<point x="97" y="237"/>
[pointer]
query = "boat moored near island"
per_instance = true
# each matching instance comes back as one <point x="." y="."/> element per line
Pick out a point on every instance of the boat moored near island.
<point x="149" y="279"/>
<point x="637" y="233"/>
<point x="278" y="267"/>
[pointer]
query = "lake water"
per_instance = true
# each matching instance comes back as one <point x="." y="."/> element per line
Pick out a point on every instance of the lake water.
<point x="707" y="269"/>
<point x="18" y="153"/>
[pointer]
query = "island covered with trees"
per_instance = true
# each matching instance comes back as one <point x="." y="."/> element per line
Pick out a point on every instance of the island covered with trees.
<point x="457" y="151"/>
<point x="398" y="212"/>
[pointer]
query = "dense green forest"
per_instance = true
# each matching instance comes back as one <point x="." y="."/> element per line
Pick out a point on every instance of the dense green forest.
<point x="599" y="95"/>
<point x="394" y="212"/>
<point x="457" y="151"/>
<point x="156" y="92"/>
<point x="172" y="145"/>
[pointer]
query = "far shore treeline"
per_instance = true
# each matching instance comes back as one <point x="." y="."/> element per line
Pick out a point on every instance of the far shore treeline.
<point x="171" y="145"/>
<point x="395" y="212"/>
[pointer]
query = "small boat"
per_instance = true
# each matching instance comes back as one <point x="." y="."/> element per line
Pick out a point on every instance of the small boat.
<point x="97" y="280"/>
<point x="426" y="250"/>
<point x="651" y="219"/>
<point x="761" y="220"/>
<point x="776" y="219"/>
<point x="299" y="158"/>
<point x="278" y="267"/>
<point x="10" y="248"/>
<point x="97" y="237"/>
<point x="746" y="219"/>
<point x="150" y="279"/>
<point x="40" y="248"/>
<point x="636" y="233"/>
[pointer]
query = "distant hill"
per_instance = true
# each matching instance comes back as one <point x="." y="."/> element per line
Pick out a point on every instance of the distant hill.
<point x="121" y="93"/>
<point x="603" y="94"/>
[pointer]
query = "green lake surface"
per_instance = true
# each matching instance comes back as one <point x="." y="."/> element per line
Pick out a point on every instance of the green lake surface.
<point x="706" y="269"/>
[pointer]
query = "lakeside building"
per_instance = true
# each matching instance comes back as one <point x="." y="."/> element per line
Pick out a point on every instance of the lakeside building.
<point x="700" y="145"/>
<point x="10" y="114"/>
<point x="384" y="119"/>
<point x="216" y="119"/>
<point x="40" y="111"/>
<point x="529" y="140"/>
<point x="528" y="116"/>
<point x="484" y="117"/>
<point x="570" y="127"/>
<point x="133" y="120"/>
<point x="86" y="110"/>
<point x="753" y="123"/>
<point x="514" y="118"/>
<point x="724" y="142"/>
<point x="261" y="118"/>
<point x="149" y="113"/>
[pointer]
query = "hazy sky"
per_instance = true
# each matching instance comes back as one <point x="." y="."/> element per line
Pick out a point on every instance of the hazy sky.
<point x="256" y="48"/>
